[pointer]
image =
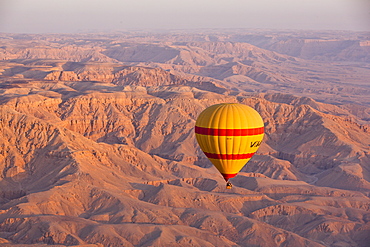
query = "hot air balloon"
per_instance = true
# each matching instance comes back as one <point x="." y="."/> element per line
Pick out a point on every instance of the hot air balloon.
<point x="229" y="134"/>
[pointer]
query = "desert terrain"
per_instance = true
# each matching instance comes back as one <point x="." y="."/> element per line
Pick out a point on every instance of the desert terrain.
<point x="97" y="143"/>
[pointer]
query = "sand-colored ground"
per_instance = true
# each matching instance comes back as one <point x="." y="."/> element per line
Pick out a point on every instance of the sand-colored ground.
<point x="97" y="144"/>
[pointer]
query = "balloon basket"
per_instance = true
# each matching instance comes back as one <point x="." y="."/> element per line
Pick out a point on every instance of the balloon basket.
<point x="229" y="185"/>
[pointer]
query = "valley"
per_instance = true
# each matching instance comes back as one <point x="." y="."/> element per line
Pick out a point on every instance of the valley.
<point x="97" y="143"/>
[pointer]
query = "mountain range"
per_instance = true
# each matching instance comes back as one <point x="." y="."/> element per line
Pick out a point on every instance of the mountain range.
<point x="98" y="148"/>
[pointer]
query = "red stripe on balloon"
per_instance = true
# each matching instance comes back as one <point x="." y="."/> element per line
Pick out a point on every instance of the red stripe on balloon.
<point x="229" y="156"/>
<point x="228" y="176"/>
<point x="229" y="132"/>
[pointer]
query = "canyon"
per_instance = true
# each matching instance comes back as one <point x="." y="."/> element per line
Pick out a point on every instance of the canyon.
<point x="97" y="143"/>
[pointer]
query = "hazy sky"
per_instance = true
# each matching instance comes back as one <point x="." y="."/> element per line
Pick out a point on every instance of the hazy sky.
<point x="56" y="16"/>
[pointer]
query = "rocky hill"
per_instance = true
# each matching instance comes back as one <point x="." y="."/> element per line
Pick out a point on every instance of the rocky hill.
<point x="103" y="153"/>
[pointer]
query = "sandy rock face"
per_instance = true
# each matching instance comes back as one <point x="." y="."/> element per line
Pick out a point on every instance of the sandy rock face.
<point x="104" y="153"/>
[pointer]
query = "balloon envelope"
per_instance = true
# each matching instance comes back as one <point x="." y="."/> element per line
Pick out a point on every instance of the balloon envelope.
<point x="229" y="134"/>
